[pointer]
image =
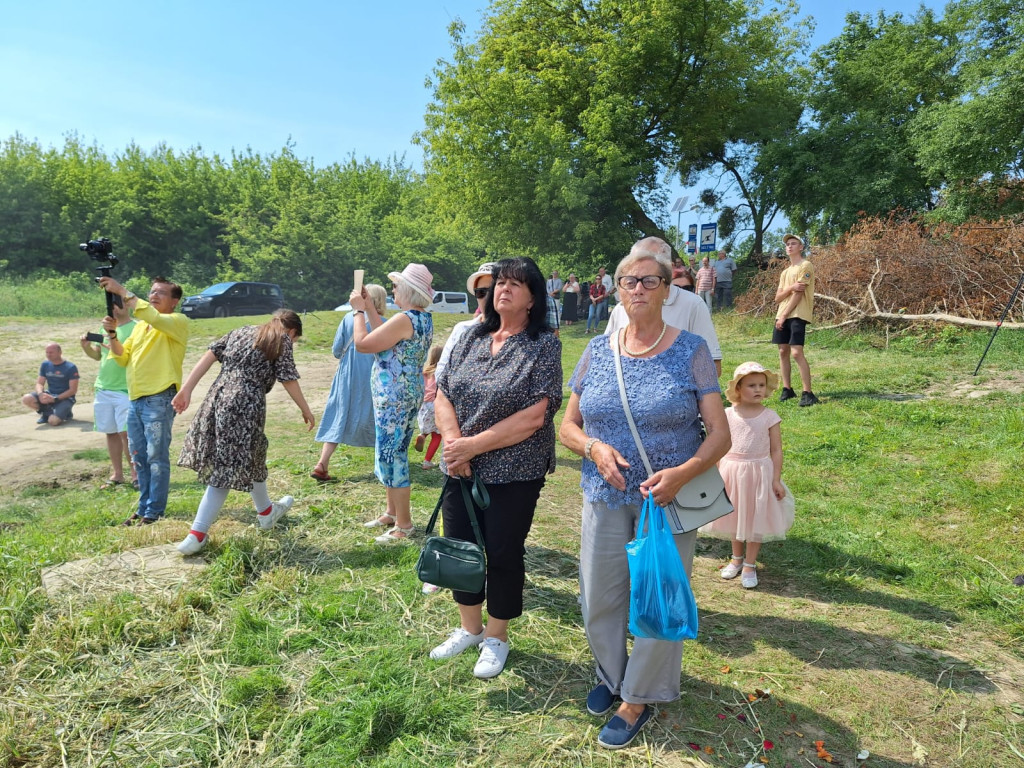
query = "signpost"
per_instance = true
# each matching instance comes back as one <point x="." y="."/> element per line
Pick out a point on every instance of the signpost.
<point x="708" y="235"/>
<point x="691" y="240"/>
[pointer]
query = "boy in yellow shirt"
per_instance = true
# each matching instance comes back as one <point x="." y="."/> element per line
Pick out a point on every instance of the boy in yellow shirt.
<point x="795" y="298"/>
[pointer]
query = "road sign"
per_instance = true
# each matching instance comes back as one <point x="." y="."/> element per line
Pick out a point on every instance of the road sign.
<point x="708" y="234"/>
<point x="691" y="240"/>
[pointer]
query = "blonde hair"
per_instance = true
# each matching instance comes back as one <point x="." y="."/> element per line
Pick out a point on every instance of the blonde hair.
<point x="433" y="356"/>
<point x="270" y="335"/>
<point x="378" y="296"/>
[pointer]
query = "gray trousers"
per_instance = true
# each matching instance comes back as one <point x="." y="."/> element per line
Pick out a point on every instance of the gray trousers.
<point x="651" y="673"/>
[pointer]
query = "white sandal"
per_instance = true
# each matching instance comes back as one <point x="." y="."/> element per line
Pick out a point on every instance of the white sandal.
<point x="395" y="535"/>
<point x="380" y="522"/>
<point x="732" y="570"/>
<point x="749" y="580"/>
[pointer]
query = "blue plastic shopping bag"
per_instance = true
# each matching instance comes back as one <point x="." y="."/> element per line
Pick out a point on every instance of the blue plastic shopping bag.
<point x="661" y="604"/>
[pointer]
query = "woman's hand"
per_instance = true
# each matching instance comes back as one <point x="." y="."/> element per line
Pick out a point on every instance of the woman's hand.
<point x="663" y="485"/>
<point x="181" y="401"/>
<point x="458" y="454"/>
<point x="608" y="461"/>
<point x="309" y="418"/>
<point x="357" y="299"/>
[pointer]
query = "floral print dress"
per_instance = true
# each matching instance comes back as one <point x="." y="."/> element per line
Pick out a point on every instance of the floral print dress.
<point x="396" y="383"/>
<point x="225" y="443"/>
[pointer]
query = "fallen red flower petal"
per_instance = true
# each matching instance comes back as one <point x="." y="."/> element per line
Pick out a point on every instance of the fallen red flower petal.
<point x="694" y="746"/>
<point x="769" y="745"/>
<point x="720" y="716"/>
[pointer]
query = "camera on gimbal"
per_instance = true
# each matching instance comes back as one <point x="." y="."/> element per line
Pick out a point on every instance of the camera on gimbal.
<point x="102" y="249"/>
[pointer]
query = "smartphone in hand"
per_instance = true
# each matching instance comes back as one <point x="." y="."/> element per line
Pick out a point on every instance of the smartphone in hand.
<point x="94" y="337"/>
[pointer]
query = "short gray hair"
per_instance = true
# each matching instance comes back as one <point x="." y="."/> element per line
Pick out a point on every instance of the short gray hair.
<point x="406" y="294"/>
<point x="649" y="249"/>
<point x="378" y="297"/>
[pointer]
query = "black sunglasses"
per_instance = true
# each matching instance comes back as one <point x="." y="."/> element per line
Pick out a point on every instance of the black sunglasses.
<point x="481" y="292"/>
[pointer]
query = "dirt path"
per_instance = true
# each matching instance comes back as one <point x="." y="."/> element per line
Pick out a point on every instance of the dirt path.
<point x="33" y="453"/>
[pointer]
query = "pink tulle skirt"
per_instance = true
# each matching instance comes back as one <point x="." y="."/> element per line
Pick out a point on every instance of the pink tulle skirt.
<point x="758" y="515"/>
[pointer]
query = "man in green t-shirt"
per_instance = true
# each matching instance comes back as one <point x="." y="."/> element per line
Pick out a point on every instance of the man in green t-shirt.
<point x="110" y="402"/>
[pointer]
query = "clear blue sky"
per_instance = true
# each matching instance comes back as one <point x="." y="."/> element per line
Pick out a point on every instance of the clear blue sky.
<point x="338" y="78"/>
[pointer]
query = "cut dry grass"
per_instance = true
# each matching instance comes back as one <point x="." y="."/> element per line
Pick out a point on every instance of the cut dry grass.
<point x="885" y="622"/>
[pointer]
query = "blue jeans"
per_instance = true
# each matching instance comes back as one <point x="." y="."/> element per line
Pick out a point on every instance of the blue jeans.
<point x="149" y="437"/>
<point x="594" y="315"/>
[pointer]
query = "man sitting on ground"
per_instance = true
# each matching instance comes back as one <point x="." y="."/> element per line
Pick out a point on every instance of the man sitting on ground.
<point x="55" y="390"/>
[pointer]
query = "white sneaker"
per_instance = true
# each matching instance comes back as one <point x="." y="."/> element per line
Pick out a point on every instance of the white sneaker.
<point x="493" y="654"/>
<point x="458" y="641"/>
<point x="190" y="545"/>
<point x="277" y="511"/>
<point x="429" y="465"/>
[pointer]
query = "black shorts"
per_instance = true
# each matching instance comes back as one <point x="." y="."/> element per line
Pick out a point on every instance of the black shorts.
<point x="792" y="332"/>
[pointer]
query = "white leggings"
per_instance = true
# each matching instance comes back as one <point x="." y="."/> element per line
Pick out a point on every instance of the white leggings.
<point x="213" y="501"/>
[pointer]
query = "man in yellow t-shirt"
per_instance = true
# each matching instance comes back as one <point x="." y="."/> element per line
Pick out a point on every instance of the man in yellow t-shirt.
<point x="153" y="355"/>
<point x="795" y="298"/>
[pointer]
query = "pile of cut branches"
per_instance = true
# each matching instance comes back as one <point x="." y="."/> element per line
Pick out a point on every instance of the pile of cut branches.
<point x="900" y="270"/>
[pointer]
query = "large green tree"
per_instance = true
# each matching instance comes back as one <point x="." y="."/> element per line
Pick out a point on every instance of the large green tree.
<point x="974" y="144"/>
<point x="855" y="153"/>
<point x="555" y="129"/>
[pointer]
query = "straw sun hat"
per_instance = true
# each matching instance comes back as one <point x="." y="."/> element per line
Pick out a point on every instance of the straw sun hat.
<point x="745" y="369"/>
<point x="417" y="277"/>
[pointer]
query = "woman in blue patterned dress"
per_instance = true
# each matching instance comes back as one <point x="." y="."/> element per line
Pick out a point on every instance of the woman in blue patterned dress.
<point x="399" y="347"/>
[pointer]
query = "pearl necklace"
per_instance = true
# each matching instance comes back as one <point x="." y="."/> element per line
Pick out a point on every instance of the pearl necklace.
<point x="657" y="341"/>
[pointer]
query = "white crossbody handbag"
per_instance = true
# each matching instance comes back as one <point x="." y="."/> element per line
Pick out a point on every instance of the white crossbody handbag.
<point x="701" y="500"/>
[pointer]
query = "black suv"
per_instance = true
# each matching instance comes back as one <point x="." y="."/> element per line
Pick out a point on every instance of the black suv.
<point x="226" y="299"/>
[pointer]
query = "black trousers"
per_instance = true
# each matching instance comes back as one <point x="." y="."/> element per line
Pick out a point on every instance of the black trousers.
<point x="504" y="527"/>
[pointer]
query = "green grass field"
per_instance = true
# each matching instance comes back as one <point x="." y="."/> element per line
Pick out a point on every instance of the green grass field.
<point x="886" y="622"/>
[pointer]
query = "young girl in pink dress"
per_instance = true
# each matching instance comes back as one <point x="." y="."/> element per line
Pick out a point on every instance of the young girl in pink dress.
<point x="752" y="472"/>
<point x="425" y="417"/>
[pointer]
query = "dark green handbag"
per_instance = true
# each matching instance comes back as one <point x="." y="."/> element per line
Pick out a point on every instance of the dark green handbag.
<point x="454" y="563"/>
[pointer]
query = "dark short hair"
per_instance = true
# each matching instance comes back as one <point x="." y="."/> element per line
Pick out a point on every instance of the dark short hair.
<point x="175" y="288"/>
<point x="526" y="271"/>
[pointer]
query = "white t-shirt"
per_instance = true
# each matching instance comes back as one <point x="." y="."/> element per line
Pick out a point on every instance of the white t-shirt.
<point x="683" y="310"/>
<point x="457" y="331"/>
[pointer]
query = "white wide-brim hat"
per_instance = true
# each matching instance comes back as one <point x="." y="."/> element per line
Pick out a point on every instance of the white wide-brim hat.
<point x="745" y="369"/>
<point x="417" y="277"/>
<point x="487" y="268"/>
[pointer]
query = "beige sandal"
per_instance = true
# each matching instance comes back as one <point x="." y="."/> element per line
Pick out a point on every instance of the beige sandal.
<point x="386" y="518"/>
<point x="395" y="534"/>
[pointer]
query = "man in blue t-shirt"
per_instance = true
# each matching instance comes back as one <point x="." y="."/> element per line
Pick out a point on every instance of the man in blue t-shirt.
<point x="55" y="390"/>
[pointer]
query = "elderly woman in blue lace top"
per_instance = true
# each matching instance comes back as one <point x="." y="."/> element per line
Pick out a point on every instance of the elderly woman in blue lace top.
<point x="671" y="385"/>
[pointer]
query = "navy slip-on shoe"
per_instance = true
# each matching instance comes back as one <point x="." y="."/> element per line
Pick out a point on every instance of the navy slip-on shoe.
<point x="600" y="700"/>
<point x="618" y="733"/>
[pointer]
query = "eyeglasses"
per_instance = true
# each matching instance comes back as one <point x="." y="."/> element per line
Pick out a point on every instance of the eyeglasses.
<point x="159" y="293"/>
<point x="481" y="292"/>
<point x="650" y="282"/>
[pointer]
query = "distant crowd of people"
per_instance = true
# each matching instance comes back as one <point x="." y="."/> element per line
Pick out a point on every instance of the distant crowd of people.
<point x="484" y="404"/>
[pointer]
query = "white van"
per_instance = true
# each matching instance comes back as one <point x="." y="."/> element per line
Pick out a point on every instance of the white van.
<point x="451" y="302"/>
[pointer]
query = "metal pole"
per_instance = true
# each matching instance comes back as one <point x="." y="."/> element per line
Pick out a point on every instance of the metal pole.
<point x="999" y="325"/>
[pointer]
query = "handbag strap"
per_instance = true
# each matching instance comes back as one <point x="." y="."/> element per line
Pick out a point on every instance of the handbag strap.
<point x="614" y="341"/>
<point x="472" y="489"/>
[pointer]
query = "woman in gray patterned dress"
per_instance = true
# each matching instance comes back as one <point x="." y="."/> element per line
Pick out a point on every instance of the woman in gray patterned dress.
<point x="225" y="443"/>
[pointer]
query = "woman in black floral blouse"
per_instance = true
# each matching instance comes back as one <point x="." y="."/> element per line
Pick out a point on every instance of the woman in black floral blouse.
<point x="496" y="401"/>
